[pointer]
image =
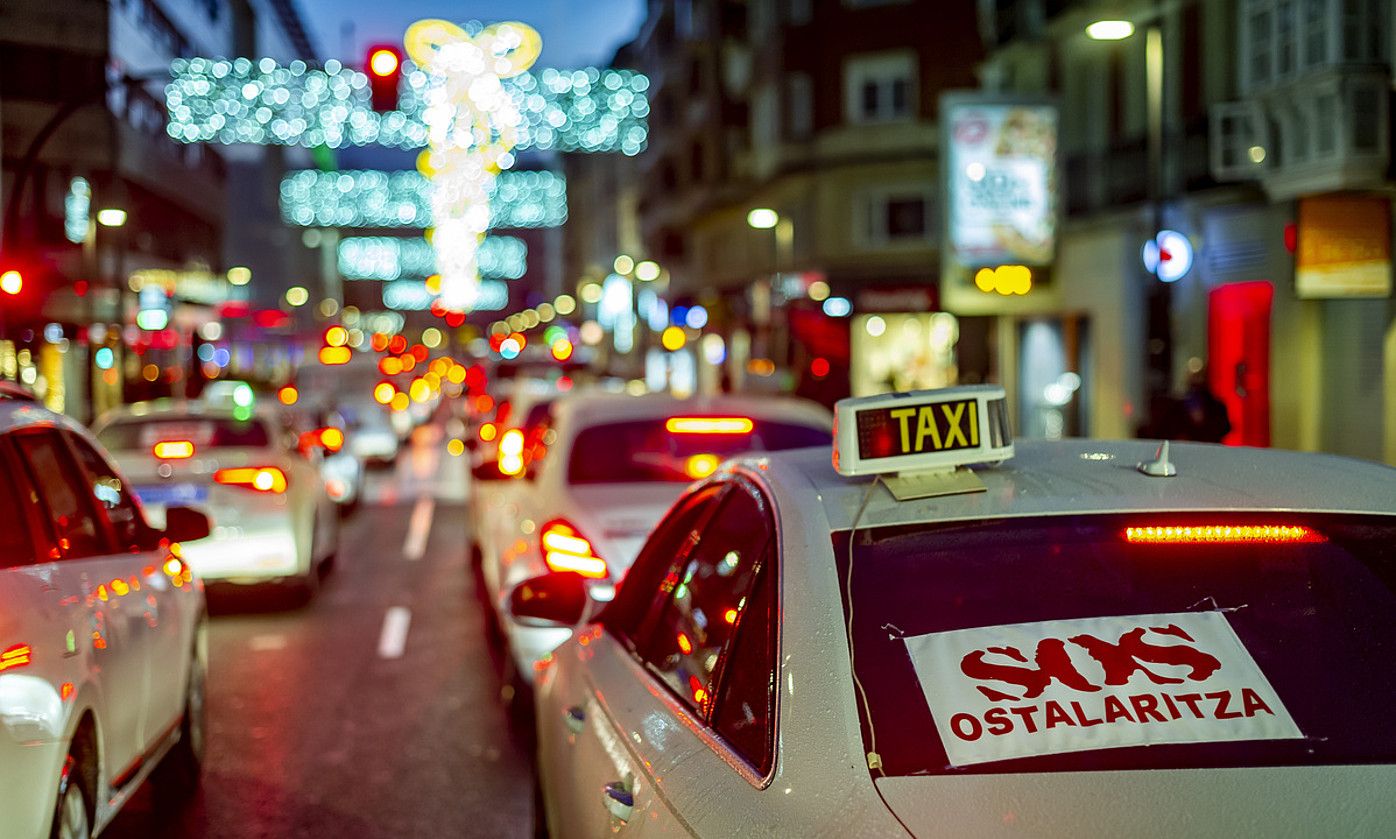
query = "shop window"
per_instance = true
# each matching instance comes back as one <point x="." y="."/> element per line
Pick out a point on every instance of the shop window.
<point x="880" y="88"/>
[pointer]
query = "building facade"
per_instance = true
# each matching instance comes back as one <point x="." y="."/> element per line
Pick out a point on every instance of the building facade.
<point x="1265" y="144"/>
<point x="823" y="115"/>
<point x="83" y="118"/>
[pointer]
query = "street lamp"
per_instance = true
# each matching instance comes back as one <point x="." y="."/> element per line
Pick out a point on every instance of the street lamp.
<point x="111" y="217"/>
<point x="1110" y="30"/>
<point x="762" y="218"/>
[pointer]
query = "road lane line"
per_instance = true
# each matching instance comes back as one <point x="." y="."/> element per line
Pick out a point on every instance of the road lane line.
<point x="393" y="640"/>
<point x="419" y="528"/>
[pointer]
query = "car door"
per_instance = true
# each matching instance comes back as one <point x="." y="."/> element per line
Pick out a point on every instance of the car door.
<point x="162" y="611"/>
<point x="646" y="684"/>
<point x="86" y="568"/>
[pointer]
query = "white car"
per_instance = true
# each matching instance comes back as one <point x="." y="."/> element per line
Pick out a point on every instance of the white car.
<point x="598" y="475"/>
<point x="274" y="521"/>
<point x="102" y="634"/>
<point x="1067" y="644"/>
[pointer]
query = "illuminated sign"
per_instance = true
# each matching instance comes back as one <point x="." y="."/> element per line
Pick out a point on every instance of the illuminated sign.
<point x="1168" y="256"/>
<point x="1343" y="247"/>
<point x="921" y="431"/>
<point x="1001" y="180"/>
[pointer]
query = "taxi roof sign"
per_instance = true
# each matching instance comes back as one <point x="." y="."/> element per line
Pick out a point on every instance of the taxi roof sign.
<point x="921" y="431"/>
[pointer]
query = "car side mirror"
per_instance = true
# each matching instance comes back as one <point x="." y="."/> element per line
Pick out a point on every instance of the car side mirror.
<point x="185" y="524"/>
<point x="555" y="599"/>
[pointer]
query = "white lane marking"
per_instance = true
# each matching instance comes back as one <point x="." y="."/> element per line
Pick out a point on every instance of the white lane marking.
<point x="419" y="528"/>
<point x="393" y="640"/>
<point x="262" y="643"/>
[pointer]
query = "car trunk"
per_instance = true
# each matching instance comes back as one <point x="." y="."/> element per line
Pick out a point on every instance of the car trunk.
<point x="618" y="518"/>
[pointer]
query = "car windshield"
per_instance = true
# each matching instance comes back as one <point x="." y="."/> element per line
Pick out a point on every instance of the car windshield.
<point x="203" y="432"/>
<point x="1076" y="643"/>
<point x="645" y="450"/>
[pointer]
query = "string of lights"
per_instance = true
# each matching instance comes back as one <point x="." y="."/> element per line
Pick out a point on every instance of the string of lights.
<point x="370" y="198"/>
<point x="392" y="258"/>
<point x="414" y="296"/>
<point x="261" y="102"/>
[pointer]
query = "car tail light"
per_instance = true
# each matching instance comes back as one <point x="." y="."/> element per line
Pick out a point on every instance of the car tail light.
<point x="709" y="425"/>
<point x="1219" y="534"/>
<point x="564" y="549"/>
<point x="174" y="449"/>
<point x="256" y="478"/>
<point x="701" y="465"/>
<point x="511" y="446"/>
<point x="331" y="438"/>
<point x="15" y="656"/>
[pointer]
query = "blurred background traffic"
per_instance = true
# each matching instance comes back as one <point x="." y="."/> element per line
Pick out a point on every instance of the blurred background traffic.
<point x="1130" y="216"/>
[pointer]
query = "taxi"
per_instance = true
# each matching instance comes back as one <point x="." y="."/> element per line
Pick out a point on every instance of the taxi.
<point x="947" y="632"/>
<point x="102" y="634"/>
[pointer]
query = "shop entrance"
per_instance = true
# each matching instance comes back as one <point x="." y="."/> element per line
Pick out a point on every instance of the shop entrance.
<point x="1238" y="347"/>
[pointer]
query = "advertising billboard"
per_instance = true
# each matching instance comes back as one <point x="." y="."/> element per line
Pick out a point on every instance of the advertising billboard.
<point x="1002" y="198"/>
<point x="1344" y="247"/>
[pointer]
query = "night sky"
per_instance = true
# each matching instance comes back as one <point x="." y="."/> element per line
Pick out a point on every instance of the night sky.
<point x="575" y="32"/>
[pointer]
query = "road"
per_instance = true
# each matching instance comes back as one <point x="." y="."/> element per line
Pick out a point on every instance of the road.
<point x="371" y="712"/>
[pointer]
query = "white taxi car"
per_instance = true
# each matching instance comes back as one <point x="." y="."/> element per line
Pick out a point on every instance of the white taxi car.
<point x="1069" y="643"/>
<point x="599" y="474"/>
<point x="274" y="521"/>
<point x="102" y="634"/>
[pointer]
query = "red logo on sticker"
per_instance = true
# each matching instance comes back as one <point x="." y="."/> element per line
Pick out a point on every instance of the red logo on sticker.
<point x="1119" y="659"/>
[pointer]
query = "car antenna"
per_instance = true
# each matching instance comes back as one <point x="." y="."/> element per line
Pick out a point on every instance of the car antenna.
<point x="1160" y="466"/>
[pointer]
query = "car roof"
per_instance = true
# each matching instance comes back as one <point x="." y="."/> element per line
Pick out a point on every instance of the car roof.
<point x="1094" y="476"/>
<point x="176" y="409"/>
<point x="600" y="407"/>
<point x="21" y="413"/>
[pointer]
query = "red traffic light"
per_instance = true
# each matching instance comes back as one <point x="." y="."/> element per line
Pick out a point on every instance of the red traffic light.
<point x="384" y="66"/>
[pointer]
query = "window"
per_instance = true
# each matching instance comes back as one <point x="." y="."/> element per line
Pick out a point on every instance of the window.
<point x="1316" y="616"/>
<point x="765" y="116"/>
<point x="745" y="712"/>
<point x="76" y="532"/>
<point x="204" y="433"/>
<point x="644" y="450"/>
<point x="799" y="12"/>
<point x="640" y="591"/>
<point x="895" y="216"/>
<point x="15" y="545"/>
<point x="685" y="642"/>
<point x="880" y="88"/>
<point x="799" y="99"/>
<point x="113" y="495"/>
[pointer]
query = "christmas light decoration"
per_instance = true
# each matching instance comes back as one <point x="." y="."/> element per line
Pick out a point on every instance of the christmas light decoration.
<point x="369" y="198"/>
<point x="390" y="258"/>
<point x="414" y="296"/>
<point x="466" y="95"/>
<point x="240" y="100"/>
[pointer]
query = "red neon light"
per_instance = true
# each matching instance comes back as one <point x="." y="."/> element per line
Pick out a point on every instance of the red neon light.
<point x="18" y="655"/>
<point x="564" y="549"/>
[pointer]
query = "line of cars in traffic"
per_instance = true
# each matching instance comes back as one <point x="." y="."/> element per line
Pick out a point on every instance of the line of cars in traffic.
<point x="922" y="627"/>
<point x="107" y="537"/>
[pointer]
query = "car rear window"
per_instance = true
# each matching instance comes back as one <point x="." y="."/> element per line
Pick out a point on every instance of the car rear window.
<point x="203" y="432"/>
<point x="1058" y="644"/>
<point x="645" y="451"/>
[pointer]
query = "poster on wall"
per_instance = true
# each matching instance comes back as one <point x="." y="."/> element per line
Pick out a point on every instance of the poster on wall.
<point x="1002" y="197"/>
<point x="1344" y="246"/>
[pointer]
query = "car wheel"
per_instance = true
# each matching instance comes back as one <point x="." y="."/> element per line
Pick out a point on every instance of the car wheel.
<point x="180" y="771"/>
<point x="70" y="817"/>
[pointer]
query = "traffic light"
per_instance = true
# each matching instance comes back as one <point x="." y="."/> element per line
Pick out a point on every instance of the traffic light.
<point x="384" y="68"/>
